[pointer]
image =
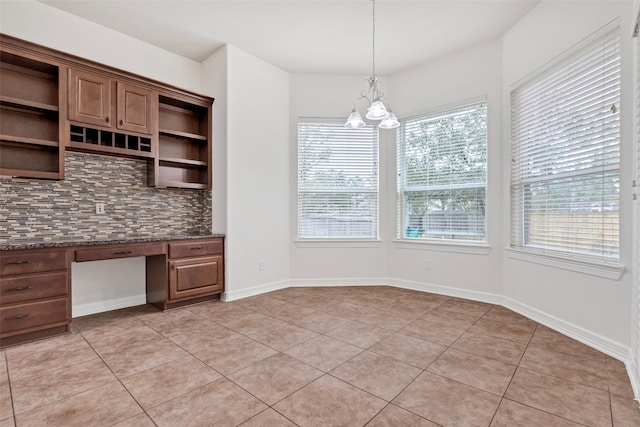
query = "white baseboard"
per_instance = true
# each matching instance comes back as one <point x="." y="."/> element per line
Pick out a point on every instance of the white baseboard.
<point x="352" y="281"/>
<point x="254" y="290"/>
<point x="80" y="310"/>
<point x="447" y="290"/>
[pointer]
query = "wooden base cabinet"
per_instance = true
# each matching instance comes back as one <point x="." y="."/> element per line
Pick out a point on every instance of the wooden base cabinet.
<point x="34" y="295"/>
<point x="193" y="271"/>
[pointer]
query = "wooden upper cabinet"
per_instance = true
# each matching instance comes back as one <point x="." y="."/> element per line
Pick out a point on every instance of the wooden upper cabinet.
<point x="90" y="102"/>
<point x="89" y="98"/>
<point x="136" y="108"/>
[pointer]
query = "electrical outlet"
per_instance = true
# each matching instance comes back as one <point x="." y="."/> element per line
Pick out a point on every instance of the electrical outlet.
<point x="261" y="265"/>
<point x="428" y="264"/>
<point x="99" y="208"/>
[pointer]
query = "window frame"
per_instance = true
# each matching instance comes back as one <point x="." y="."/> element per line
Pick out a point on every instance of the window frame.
<point x="600" y="266"/>
<point x="338" y="241"/>
<point x="467" y="246"/>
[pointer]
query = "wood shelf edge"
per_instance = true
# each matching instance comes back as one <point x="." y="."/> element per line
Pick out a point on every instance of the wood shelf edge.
<point x="31" y="141"/>
<point x="179" y="161"/>
<point x="33" y="105"/>
<point x="181" y="134"/>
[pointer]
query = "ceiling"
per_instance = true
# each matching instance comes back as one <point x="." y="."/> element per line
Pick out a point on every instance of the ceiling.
<point x="305" y="36"/>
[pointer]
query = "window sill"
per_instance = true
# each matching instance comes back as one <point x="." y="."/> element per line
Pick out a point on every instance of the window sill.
<point x="613" y="271"/>
<point x="338" y="243"/>
<point x="463" y="248"/>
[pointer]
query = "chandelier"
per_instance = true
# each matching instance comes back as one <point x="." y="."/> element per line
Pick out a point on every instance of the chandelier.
<point x="376" y="110"/>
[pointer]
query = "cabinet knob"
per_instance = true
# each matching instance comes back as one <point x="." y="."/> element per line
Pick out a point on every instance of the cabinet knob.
<point x="106" y="119"/>
<point x="121" y="122"/>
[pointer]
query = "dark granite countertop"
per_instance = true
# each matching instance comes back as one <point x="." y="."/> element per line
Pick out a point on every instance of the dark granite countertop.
<point x="62" y="243"/>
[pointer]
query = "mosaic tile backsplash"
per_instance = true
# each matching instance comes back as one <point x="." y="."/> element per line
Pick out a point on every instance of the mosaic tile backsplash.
<point x="41" y="210"/>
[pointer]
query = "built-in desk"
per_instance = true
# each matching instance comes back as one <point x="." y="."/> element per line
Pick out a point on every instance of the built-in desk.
<point x="35" y="279"/>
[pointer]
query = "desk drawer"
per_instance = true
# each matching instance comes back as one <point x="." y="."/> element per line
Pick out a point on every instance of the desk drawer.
<point x="30" y="287"/>
<point x="119" y="252"/>
<point x="34" y="314"/>
<point x="32" y="262"/>
<point x="196" y="248"/>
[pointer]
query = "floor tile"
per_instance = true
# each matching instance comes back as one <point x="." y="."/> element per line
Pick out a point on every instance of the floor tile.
<point x="491" y="347"/>
<point x="260" y="303"/>
<point x="235" y="355"/>
<point x="6" y="405"/>
<point x="466" y="306"/>
<point x="385" y="319"/>
<point x="249" y="323"/>
<point x="46" y="345"/>
<point x="320" y="322"/>
<point x="323" y="352"/>
<point x="413" y="309"/>
<point x="118" y="337"/>
<point x="140" y="420"/>
<point x="432" y="332"/>
<point x="142" y="357"/>
<point x="174" y="322"/>
<point x="110" y="318"/>
<point x="379" y="375"/>
<point x="165" y="382"/>
<point x="218" y="310"/>
<point x="312" y="301"/>
<point x="565" y="366"/>
<point x="359" y="334"/>
<point x="330" y="402"/>
<point x="195" y="340"/>
<point x="31" y="392"/>
<point x="220" y="403"/>
<point x="502" y="314"/>
<point x="290" y="311"/>
<point x="563" y="398"/>
<point x="426" y="297"/>
<point x="445" y="315"/>
<point x="281" y="335"/>
<point x="412" y="351"/>
<point x="476" y="371"/>
<point x="447" y="402"/>
<point x="618" y="379"/>
<point x="625" y="410"/>
<point x="555" y="341"/>
<point x="507" y="331"/>
<point x="103" y="406"/>
<point x="27" y="364"/>
<point x="268" y="418"/>
<point x="274" y="378"/>
<point x="515" y="414"/>
<point x="392" y="416"/>
<point x="287" y="294"/>
<point x="7" y="422"/>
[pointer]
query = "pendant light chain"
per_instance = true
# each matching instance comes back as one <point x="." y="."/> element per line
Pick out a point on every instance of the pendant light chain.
<point x="373" y="65"/>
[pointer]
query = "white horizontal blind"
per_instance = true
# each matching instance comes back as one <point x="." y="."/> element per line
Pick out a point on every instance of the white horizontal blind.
<point x="565" y="154"/>
<point x="442" y="175"/>
<point x="337" y="181"/>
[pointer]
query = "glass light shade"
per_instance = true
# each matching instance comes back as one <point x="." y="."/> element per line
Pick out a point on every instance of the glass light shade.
<point x="355" y="121"/>
<point x="390" y="122"/>
<point x="377" y="111"/>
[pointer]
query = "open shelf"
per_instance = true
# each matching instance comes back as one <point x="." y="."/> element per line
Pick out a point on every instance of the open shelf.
<point x="180" y="134"/>
<point x="179" y="161"/>
<point x="34" y="141"/>
<point x="30" y="105"/>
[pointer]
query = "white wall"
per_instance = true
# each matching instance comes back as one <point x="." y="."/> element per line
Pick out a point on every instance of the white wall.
<point x="331" y="96"/>
<point x="257" y="175"/>
<point x="45" y="25"/>
<point x="468" y="74"/>
<point x="588" y="305"/>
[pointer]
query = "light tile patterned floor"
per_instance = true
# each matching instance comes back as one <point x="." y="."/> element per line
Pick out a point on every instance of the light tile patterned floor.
<point x="344" y="356"/>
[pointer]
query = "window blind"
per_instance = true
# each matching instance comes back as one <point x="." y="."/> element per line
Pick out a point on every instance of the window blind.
<point x="565" y="151"/>
<point x="442" y="174"/>
<point x="337" y="181"/>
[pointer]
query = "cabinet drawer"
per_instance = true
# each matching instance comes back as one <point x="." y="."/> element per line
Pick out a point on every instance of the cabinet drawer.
<point x="196" y="248"/>
<point x="194" y="277"/>
<point x="25" y="288"/>
<point x="119" y="252"/>
<point x="32" y="262"/>
<point x="25" y="316"/>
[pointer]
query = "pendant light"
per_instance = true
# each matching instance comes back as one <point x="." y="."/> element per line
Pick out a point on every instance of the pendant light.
<point x="376" y="110"/>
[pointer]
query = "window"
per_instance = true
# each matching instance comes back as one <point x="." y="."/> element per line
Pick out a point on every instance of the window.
<point x="337" y="181"/>
<point x="565" y="154"/>
<point x="442" y="175"/>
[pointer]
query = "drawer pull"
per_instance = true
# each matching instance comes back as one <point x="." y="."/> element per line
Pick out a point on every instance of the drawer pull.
<point x="17" y="316"/>
<point x="18" y="262"/>
<point x="197" y="248"/>
<point x="122" y="253"/>
<point x="19" y="288"/>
